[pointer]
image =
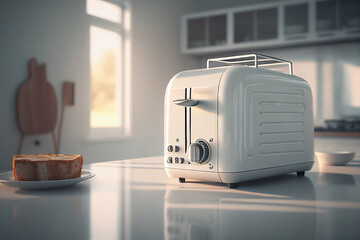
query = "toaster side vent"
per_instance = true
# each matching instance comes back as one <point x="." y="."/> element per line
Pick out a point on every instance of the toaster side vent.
<point x="267" y="107"/>
<point x="281" y="127"/>
<point x="285" y="147"/>
<point x="276" y="123"/>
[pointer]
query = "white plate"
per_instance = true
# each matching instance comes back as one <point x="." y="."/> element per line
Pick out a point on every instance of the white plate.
<point x="335" y="158"/>
<point x="8" y="180"/>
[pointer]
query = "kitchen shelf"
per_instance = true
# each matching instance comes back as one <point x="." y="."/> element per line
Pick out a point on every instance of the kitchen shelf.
<point x="270" y="25"/>
<point x="337" y="134"/>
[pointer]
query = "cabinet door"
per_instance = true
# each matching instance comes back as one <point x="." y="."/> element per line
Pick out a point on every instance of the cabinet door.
<point x="349" y="14"/>
<point x="196" y="32"/>
<point x="296" y="19"/>
<point x="325" y="16"/>
<point x="267" y="24"/>
<point x="207" y="31"/>
<point x="244" y="26"/>
<point x="217" y="30"/>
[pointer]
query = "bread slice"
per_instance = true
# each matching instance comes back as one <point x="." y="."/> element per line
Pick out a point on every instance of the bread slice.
<point x="42" y="167"/>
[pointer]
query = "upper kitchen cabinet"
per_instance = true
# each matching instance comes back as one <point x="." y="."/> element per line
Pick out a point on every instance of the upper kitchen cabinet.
<point x="339" y="18"/>
<point x="270" y="25"/>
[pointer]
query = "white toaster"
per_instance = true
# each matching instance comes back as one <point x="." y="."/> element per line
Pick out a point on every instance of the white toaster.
<point x="238" y="122"/>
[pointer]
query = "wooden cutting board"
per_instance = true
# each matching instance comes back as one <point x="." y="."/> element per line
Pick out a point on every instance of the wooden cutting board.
<point x="36" y="102"/>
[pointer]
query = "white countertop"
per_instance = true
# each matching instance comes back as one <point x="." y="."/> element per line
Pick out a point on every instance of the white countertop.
<point x="134" y="199"/>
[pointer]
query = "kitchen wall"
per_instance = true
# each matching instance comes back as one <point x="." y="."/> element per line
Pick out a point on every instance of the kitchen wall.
<point x="57" y="33"/>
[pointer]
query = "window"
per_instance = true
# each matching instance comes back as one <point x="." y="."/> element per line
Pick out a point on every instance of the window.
<point x="105" y="62"/>
<point x="109" y="69"/>
<point x="350" y="102"/>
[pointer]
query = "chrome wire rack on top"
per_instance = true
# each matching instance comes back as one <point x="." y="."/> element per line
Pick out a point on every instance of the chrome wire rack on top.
<point x="249" y="60"/>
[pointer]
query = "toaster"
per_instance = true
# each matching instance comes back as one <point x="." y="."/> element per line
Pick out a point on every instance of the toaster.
<point x="237" y="120"/>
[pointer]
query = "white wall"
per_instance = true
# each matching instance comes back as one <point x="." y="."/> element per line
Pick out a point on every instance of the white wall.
<point x="57" y="33"/>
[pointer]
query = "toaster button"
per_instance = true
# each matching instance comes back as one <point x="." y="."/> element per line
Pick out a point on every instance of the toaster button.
<point x="182" y="160"/>
<point x="176" y="160"/>
<point x="170" y="148"/>
<point x="177" y="148"/>
<point x="169" y="160"/>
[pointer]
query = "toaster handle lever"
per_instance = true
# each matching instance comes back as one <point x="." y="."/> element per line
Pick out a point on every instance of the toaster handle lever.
<point x="186" y="102"/>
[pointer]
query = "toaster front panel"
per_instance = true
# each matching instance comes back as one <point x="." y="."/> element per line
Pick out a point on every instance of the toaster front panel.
<point x="185" y="125"/>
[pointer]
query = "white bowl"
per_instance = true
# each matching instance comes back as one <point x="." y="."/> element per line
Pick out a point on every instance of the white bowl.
<point x="335" y="158"/>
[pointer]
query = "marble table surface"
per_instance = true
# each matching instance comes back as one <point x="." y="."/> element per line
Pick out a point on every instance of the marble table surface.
<point x="134" y="199"/>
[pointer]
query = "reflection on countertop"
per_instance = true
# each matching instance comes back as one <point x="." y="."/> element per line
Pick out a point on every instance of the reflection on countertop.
<point x="134" y="199"/>
<point x="261" y="209"/>
<point x="42" y="214"/>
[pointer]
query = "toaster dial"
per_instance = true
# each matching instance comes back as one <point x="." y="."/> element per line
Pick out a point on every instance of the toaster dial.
<point x="199" y="152"/>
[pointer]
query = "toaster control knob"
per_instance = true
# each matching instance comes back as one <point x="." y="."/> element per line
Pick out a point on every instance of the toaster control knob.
<point x="170" y="148"/>
<point x="199" y="152"/>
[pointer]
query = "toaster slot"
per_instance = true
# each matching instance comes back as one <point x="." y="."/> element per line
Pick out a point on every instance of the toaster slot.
<point x="186" y="125"/>
<point x="187" y="120"/>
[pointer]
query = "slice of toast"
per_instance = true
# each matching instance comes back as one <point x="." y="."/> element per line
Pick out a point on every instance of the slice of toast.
<point x="42" y="167"/>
